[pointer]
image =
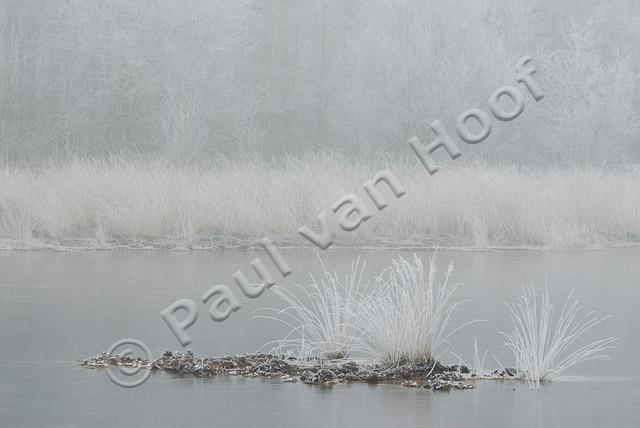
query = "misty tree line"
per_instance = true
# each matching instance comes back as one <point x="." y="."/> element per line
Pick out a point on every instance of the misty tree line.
<point x="192" y="80"/>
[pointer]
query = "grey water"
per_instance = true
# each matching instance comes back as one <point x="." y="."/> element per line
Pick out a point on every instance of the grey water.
<point x="60" y="307"/>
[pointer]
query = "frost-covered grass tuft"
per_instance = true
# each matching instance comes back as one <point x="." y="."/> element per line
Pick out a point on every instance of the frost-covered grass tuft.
<point x="406" y="317"/>
<point x="322" y="316"/>
<point x="403" y="317"/>
<point x="543" y="347"/>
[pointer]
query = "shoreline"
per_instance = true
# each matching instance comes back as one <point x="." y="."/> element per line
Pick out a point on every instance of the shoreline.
<point x="284" y="245"/>
<point x="435" y="376"/>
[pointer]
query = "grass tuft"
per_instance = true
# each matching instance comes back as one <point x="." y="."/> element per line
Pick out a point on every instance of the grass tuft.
<point x="543" y="349"/>
<point x="406" y="317"/>
<point x="322" y="316"/>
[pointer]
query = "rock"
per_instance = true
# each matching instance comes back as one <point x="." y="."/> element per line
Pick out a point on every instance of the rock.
<point x="349" y="367"/>
<point x="506" y="372"/>
<point x="321" y="376"/>
<point x="460" y="368"/>
<point x="371" y="377"/>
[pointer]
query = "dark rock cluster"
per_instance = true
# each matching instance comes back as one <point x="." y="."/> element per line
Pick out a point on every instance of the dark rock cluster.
<point x="256" y="365"/>
<point x="429" y="375"/>
<point x="505" y="373"/>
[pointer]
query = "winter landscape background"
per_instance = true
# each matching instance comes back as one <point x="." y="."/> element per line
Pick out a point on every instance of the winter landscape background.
<point x="211" y="124"/>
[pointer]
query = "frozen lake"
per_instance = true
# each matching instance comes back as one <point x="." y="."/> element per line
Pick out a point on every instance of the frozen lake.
<point x="57" y="308"/>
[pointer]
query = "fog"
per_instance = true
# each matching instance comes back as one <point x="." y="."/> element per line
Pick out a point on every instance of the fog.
<point x="192" y="80"/>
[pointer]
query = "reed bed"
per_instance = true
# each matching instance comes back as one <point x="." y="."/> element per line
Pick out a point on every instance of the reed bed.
<point x="118" y="202"/>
